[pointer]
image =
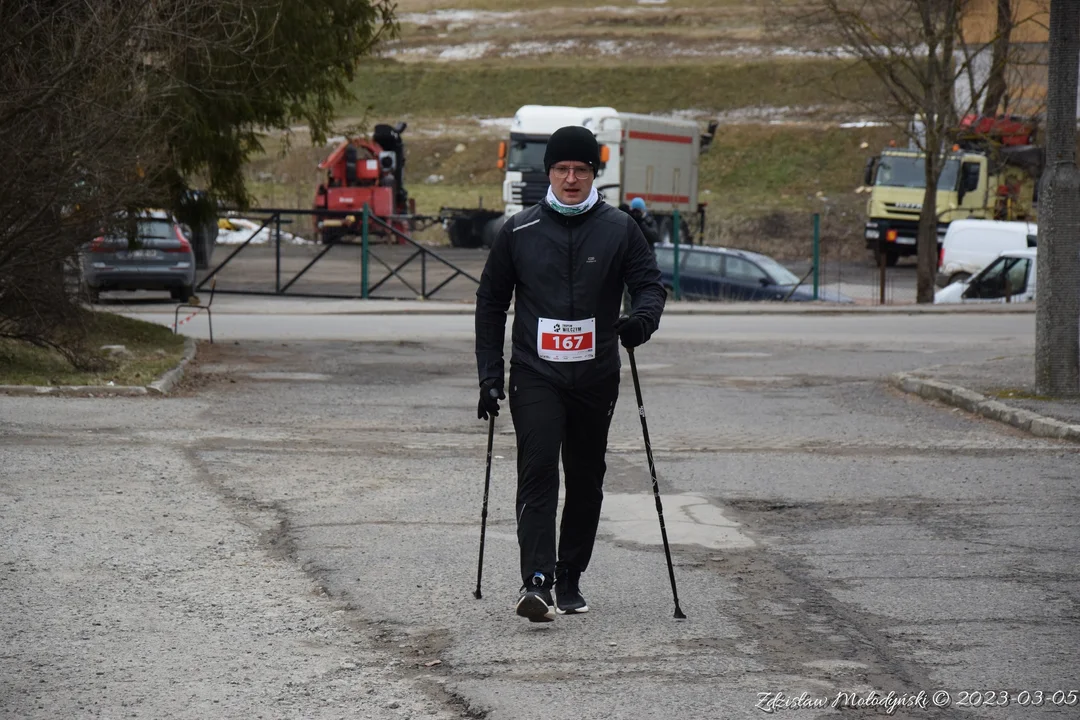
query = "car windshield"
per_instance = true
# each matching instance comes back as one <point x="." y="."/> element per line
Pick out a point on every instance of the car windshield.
<point x="910" y="171"/>
<point x="157" y="229"/>
<point x="780" y="274"/>
<point x="145" y="229"/>
<point x="526" y="155"/>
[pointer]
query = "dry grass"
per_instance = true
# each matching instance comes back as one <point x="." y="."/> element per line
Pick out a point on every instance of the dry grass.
<point x="493" y="88"/>
<point x="154" y="349"/>
<point x="424" y="6"/>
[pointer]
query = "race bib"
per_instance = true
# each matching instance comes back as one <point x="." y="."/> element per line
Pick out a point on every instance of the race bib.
<point x="566" y="340"/>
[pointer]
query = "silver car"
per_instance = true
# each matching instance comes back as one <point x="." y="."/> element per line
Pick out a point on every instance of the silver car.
<point x="159" y="258"/>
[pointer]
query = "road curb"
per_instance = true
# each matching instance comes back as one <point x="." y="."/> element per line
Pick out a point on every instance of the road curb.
<point x="161" y="386"/>
<point x="391" y="308"/>
<point x="165" y="383"/>
<point x="973" y="402"/>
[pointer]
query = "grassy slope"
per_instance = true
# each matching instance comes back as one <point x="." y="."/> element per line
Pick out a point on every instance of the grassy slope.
<point x="492" y="89"/>
<point x="154" y="350"/>
<point x="762" y="179"/>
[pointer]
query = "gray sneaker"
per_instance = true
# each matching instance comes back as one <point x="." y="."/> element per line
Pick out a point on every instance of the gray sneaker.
<point x="535" y="601"/>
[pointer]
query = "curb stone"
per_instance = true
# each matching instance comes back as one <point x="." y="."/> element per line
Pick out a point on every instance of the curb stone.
<point x="161" y="386"/>
<point x="973" y="402"/>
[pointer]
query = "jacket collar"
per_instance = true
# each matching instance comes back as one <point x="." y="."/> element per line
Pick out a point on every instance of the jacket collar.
<point x="571" y="220"/>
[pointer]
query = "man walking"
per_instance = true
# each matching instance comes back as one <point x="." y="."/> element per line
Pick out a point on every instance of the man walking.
<point x="565" y="262"/>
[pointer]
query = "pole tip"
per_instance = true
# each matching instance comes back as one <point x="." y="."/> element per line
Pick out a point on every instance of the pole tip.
<point x="476" y="594"/>
<point x="679" y="614"/>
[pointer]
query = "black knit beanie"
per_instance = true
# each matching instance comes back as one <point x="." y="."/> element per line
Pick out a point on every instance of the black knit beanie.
<point x="572" y="142"/>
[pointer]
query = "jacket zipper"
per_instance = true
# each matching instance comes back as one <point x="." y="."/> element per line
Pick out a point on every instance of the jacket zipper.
<point x="570" y="257"/>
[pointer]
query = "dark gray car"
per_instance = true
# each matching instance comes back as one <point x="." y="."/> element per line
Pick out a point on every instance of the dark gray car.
<point x="713" y="273"/>
<point x="159" y="257"/>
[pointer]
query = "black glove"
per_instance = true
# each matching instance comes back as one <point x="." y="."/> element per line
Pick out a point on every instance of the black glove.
<point x="631" y="331"/>
<point x="491" y="391"/>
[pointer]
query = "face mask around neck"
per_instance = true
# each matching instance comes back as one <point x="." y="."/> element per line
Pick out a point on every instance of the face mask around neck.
<point x="581" y="207"/>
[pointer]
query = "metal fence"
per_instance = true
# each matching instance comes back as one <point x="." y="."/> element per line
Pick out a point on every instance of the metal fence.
<point x="279" y="252"/>
<point x="831" y="272"/>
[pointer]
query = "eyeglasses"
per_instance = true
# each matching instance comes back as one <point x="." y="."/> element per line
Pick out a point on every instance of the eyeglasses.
<point x="561" y="171"/>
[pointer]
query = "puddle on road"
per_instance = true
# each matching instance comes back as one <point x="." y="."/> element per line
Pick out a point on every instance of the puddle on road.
<point x="690" y="520"/>
<point x="743" y="354"/>
<point x="642" y="367"/>
<point x="290" y="376"/>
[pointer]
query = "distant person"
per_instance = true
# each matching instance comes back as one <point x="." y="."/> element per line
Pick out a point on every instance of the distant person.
<point x="645" y="221"/>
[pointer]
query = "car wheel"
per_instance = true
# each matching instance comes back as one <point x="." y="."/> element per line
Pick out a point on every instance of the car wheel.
<point x="892" y="256"/>
<point x="461" y="233"/>
<point x="183" y="293"/>
<point x="490" y="232"/>
<point x="958" y="277"/>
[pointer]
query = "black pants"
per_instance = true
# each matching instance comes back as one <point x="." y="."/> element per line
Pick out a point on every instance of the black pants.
<point x="547" y="420"/>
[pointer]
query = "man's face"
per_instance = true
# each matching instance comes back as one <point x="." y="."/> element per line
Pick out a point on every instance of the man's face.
<point x="571" y="181"/>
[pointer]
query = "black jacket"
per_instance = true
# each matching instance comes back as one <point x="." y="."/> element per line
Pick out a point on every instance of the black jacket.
<point x="648" y="227"/>
<point x="565" y="268"/>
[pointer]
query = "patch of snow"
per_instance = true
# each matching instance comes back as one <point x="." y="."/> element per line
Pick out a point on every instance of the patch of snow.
<point x="863" y="124"/>
<point x="502" y="123"/>
<point x="465" y="51"/>
<point x="609" y="48"/>
<point x="623" y="10"/>
<point x="422" y="51"/>
<point x="242" y="229"/>
<point x="438" y="17"/>
<point x="532" y="47"/>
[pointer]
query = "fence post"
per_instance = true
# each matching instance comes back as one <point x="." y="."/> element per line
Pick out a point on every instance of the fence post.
<point x="675" y="241"/>
<point x="817" y="252"/>
<point x="277" y="252"/>
<point x="364" y="254"/>
<point x="881" y="271"/>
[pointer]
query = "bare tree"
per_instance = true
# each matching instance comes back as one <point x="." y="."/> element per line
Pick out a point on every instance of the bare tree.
<point x="996" y="86"/>
<point x="911" y="47"/>
<point x="75" y="146"/>
<point x="917" y="51"/>
<point x="1057" y="320"/>
<point x="113" y="106"/>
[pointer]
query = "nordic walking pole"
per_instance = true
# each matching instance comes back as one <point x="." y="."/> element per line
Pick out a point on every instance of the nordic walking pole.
<point x="655" y="487"/>
<point x="483" y="514"/>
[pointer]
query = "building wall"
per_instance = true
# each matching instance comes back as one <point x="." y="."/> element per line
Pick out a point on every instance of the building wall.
<point x="1029" y="48"/>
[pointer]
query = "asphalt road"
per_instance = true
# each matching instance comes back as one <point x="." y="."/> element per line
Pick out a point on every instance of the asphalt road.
<point x="294" y="534"/>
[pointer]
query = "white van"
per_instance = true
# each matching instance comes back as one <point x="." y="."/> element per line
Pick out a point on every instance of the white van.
<point x="1009" y="278"/>
<point x="970" y="245"/>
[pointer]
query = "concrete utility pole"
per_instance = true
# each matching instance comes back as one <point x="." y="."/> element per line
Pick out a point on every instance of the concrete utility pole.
<point x="1057" y="311"/>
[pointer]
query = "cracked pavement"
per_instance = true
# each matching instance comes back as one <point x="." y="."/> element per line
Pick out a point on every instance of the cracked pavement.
<point x="294" y="534"/>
